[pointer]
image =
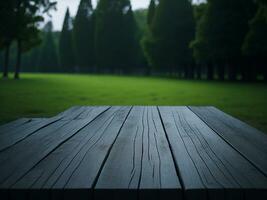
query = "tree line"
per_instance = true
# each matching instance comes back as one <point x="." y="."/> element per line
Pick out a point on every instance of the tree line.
<point x="19" y="19"/>
<point x="211" y="40"/>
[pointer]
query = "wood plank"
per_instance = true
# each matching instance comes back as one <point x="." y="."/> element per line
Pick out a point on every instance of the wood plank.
<point x="250" y="142"/>
<point x="140" y="164"/>
<point x="209" y="167"/>
<point x="69" y="111"/>
<point x="15" y="132"/>
<point x="77" y="112"/>
<point x="13" y="124"/>
<point x="87" y="112"/>
<point x="16" y="161"/>
<point x="14" y="135"/>
<point x="74" y="166"/>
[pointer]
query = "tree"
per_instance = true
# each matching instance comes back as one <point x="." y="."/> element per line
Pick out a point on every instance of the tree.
<point x="200" y="53"/>
<point x="255" y="43"/>
<point x="115" y="33"/>
<point x="151" y="12"/>
<point x="30" y="60"/>
<point x="172" y="29"/>
<point x="83" y="33"/>
<point x="34" y="57"/>
<point x="25" y="18"/>
<point x="48" y="61"/>
<point x="7" y="32"/>
<point x="221" y="32"/>
<point x="147" y="31"/>
<point x="66" y="53"/>
<point x="130" y="43"/>
<point x="27" y="33"/>
<point x="141" y="20"/>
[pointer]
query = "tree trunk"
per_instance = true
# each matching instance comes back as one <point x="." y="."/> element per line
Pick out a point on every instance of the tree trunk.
<point x="179" y="73"/>
<point x="190" y="71"/>
<point x="265" y="72"/>
<point x="6" y="62"/>
<point x="221" y="72"/>
<point x="232" y="72"/>
<point x="186" y="71"/>
<point x="248" y="73"/>
<point x="198" y="70"/>
<point x="210" y="71"/>
<point x="148" y="71"/>
<point x="18" y="62"/>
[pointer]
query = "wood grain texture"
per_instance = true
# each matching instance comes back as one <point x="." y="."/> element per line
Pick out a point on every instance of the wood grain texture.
<point x="71" y="113"/>
<point x="18" y="130"/>
<point x="208" y="166"/>
<point x="140" y="164"/>
<point x="74" y="165"/>
<point x="135" y="153"/>
<point x="12" y="125"/>
<point x="250" y="142"/>
<point x="16" y="161"/>
<point x="15" y="135"/>
<point x="78" y="112"/>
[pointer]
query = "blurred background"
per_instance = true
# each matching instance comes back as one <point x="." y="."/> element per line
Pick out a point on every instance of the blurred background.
<point x="139" y="52"/>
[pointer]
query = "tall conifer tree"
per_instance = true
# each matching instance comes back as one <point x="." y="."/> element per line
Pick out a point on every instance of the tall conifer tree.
<point x="131" y="42"/>
<point x="83" y="33"/>
<point x="151" y="12"/>
<point x="66" y="53"/>
<point x="255" y="44"/>
<point x="115" y="31"/>
<point x="172" y="29"/>
<point x="221" y="33"/>
<point x="48" y="61"/>
<point x="145" y="42"/>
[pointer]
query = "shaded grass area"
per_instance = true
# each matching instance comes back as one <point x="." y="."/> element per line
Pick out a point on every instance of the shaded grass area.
<point x="44" y="95"/>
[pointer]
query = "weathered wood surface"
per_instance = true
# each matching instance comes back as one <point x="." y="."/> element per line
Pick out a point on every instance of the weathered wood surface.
<point x="140" y="161"/>
<point x="206" y="161"/>
<point x="250" y="142"/>
<point x="138" y="153"/>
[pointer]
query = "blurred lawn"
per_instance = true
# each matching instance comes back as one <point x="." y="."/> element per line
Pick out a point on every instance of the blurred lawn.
<point x="42" y="95"/>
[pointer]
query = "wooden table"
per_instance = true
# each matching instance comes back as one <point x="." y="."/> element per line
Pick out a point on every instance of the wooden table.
<point x="135" y="153"/>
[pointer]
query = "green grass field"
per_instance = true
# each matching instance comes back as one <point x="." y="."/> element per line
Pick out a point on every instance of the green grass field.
<point x="39" y="95"/>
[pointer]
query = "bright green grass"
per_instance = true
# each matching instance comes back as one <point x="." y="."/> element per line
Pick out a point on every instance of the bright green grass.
<point x="39" y="95"/>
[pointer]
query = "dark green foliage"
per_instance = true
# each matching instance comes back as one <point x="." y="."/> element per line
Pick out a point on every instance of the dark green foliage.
<point x="131" y="40"/>
<point x="151" y="12"/>
<point x="48" y="60"/>
<point x="115" y="38"/>
<point x="141" y="20"/>
<point x="255" y="44"/>
<point x="7" y="31"/>
<point x="19" y="19"/>
<point x="27" y="14"/>
<point x="199" y="45"/>
<point x="66" y="53"/>
<point x="167" y="44"/>
<point x="1" y="60"/>
<point x="221" y="31"/>
<point x="7" y="21"/>
<point x="83" y="33"/>
<point x="224" y="36"/>
<point x="30" y="60"/>
<point x="144" y="41"/>
<point x="34" y="58"/>
<point x="256" y="41"/>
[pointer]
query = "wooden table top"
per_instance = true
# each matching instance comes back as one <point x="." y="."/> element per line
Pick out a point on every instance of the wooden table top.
<point x="133" y="152"/>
